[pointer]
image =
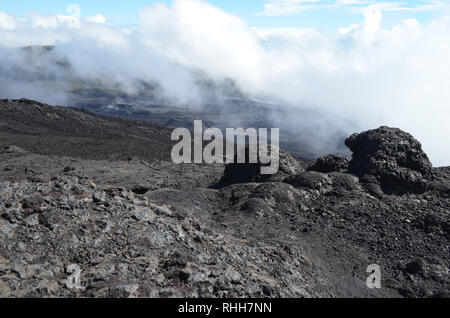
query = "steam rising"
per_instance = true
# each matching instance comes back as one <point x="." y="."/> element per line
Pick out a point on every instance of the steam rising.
<point x="363" y="77"/>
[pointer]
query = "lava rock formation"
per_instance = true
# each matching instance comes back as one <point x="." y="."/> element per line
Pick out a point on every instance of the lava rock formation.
<point x="393" y="157"/>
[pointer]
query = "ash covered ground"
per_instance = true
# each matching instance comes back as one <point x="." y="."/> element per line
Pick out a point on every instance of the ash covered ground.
<point x="102" y="193"/>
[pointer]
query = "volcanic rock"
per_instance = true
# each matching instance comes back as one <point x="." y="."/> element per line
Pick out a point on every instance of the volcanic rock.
<point x="331" y="163"/>
<point x="335" y="182"/>
<point x="393" y="157"/>
<point x="312" y="180"/>
<point x="251" y="172"/>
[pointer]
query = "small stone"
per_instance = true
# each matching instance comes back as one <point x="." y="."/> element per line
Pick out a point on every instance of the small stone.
<point x="99" y="197"/>
<point x="233" y="276"/>
<point x="32" y="220"/>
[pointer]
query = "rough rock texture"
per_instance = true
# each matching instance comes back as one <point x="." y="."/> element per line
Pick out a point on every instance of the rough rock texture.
<point x="393" y="157"/>
<point x="126" y="245"/>
<point x="331" y="163"/>
<point x="324" y="182"/>
<point x="251" y="172"/>
<point x="311" y="179"/>
<point x="145" y="227"/>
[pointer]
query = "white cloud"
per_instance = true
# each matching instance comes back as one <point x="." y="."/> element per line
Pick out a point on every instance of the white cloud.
<point x="290" y="7"/>
<point x="352" y="2"/>
<point x="7" y="22"/>
<point x="98" y="18"/>
<point x="196" y="34"/>
<point x="361" y="78"/>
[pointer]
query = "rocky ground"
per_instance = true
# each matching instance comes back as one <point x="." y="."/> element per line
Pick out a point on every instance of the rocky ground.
<point x="101" y="193"/>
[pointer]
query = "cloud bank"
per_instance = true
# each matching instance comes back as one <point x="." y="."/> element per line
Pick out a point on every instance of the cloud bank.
<point x="362" y="77"/>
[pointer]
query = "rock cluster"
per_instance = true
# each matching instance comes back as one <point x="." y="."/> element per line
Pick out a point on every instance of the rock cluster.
<point x="385" y="160"/>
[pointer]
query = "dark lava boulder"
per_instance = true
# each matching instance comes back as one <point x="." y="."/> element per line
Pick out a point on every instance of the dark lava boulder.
<point x="312" y="180"/>
<point x="266" y="198"/>
<point x="251" y="172"/>
<point x="336" y="182"/>
<point x="393" y="157"/>
<point x="331" y="163"/>
<point x="345" y="182"/>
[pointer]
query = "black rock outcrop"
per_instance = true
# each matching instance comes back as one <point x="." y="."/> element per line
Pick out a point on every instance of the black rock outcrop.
<point x="251" y="172"/>
<point x="391" y="157"/>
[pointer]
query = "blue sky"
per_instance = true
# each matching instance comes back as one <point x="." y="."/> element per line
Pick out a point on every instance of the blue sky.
<point x="325" y="15"/>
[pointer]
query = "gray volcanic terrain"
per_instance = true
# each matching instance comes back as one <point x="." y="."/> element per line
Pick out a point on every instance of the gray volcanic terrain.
<point x="102" y="193"/>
